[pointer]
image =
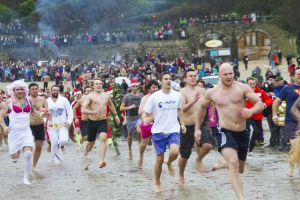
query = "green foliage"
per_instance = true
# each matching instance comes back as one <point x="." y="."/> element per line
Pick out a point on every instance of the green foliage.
<point x="5" y="14"/>
<point x="27" y="7"/>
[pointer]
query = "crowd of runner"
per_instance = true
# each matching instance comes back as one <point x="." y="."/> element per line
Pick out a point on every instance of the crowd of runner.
<point x="146" y="100"/>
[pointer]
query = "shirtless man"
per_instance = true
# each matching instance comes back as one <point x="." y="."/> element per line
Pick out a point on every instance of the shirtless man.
<point x="36" y="121"/>
<point x="151" y="87"/>
<point x="95" y="105"/>
<point x="229" y="98"/>
<point x="191" y="94"/>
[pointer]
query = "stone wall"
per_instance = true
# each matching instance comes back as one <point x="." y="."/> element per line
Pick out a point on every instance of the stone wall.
<point x="171" y="49"/>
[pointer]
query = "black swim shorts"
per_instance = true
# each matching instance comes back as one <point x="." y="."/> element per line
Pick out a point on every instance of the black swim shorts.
<point x="38" y="132"/>
<point x="236" y="140"/>
<point x="187" y="140"/>
<point x="96" y="127"/>
<point x="84" y="127"/>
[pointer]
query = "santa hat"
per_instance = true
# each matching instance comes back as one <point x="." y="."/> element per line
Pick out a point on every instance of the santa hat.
<point x="76" y="91"/>
<point x="134" y="82"/>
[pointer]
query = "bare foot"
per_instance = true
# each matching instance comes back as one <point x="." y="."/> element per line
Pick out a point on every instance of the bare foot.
<point x="181" y="181"/>
<point x="103" y="164"/>
<point x="171" y="170"/>
<point x="140" y="163"/>
<point x="130" y="156"/>
<point x="290" y="174"/>
<point x="200" y="167"/>
<point x="157" y="188"/>
<point x="34" y="169"/>
<point x="220" y="165"/>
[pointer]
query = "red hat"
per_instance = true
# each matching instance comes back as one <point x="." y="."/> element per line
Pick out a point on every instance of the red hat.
<point x="134" y="82"/>
<point x="76" y="91"/>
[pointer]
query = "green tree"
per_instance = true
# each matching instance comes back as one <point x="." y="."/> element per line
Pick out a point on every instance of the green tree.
<point x="288" y="15"/>
<point x="5" y="14"/>
<point x="27" y="7"/>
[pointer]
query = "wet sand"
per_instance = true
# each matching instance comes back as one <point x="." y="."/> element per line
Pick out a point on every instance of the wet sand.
<point x="264" y="177"/>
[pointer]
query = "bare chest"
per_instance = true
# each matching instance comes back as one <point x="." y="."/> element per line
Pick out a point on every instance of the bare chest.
<point x="99" y="101"/>
<point x="228" y="98"/>
<point x="37" y="103"/>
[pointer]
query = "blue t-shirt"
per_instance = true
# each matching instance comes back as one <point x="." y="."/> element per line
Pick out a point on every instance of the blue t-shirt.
<point x="290" y="94"/>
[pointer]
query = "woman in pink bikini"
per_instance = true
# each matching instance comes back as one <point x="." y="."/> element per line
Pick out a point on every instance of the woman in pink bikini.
<point x="20" y="138"/>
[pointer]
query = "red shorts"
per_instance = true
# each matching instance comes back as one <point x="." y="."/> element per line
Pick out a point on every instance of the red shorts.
<point x="146" y="130"/>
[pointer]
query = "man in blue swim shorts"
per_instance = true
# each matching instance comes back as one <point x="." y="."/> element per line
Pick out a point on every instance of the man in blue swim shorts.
<point x="163" y="107"/>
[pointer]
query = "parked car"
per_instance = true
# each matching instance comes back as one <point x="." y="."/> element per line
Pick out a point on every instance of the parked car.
<point x="214" y="80"/>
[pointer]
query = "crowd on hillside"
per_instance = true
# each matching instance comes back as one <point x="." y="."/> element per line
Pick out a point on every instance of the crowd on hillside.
<point x="15" y="34"/>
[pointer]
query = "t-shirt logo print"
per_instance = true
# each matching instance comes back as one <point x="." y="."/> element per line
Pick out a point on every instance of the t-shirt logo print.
<point x="56" y="112"/>
<point x="167" y="105"/>
<point x="160" y="104"/>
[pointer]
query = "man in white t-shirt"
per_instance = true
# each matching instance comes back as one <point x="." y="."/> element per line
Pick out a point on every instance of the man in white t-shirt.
<point x="163" y="107"/>
<point x="59" y="122"/>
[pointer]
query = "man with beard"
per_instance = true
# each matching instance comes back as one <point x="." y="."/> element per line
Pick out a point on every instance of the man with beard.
<point x="59" y="122"/>
<point x="36" y="121"/>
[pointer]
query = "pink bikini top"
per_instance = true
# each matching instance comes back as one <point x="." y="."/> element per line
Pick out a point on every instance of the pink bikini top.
<point x="17" y="109"/>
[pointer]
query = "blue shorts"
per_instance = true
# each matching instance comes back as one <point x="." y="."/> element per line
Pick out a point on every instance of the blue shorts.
<point x="132" y="124"/>
<point x="161" y="141"/>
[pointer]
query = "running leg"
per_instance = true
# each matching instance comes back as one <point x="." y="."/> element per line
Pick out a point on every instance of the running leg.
<point x="27" y="164"/>
<point x="174" y="150"/>
<point x="231" y="158"/>
<point x="157" y="170"/>
<point x="103" y="138"/>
